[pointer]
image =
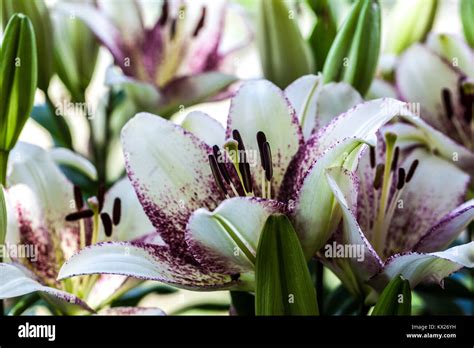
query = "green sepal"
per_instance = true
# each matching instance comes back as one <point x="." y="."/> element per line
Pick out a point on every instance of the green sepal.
<point x="283" y="281"/>
<point x="467" y="19"/>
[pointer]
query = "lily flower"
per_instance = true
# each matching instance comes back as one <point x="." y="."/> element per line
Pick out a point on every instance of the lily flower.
<point x="440" y="77"/>
<point x="402" y="208"/>
<point x="180" y="51"/>
<point x="48" y="219"/>
<point x="208" y="191"/>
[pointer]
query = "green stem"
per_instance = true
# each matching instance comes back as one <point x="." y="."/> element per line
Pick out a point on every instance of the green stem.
<point x="3" y="167"/>
<point x="23" y="304"/>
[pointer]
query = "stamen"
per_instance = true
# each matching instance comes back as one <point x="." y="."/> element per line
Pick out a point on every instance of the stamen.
<point x="221" y="165"/>
<point x="107" y="223"/>
<point x="401" y="178"/>
<point x="100" y="196"/>
<point x="372" y="156"/>
<point x="261" y="139"/>
<point x="411" y="171"/>
<point x="378" y="175"/>
<point x="447" y="102"/>
<point x="84" y="214"/>
<point x="164" y="13"/>
<point x="268" y="161"/>
<point x="173" y="29"/>
<point x="238" y="138"/>
<point x="216" y="174"/>
<point x="395" y="158"/>
<point x="200" y="24"/>
<point x="78" y="197"/>
<point x="244" y="168"/>
<point x="117" y="211"/>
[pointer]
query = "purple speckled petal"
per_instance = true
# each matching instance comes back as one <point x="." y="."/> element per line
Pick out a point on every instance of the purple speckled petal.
<point x="205" y="128"/>
<point x="169" y="169"/>
<point x="437" y="187"/>
<point x="145" y="261"/>
<point x="417" y="267"/>
<point x="226" y="240"/>
<point x="447" y="229"/>
<point x="18" y="281"/>
<point x="102" y="27"/>
<point x="416" y="82"/>
<point x="262" y="106"/>
<point x="132" y="311"/>
<point x="344" y="185"/>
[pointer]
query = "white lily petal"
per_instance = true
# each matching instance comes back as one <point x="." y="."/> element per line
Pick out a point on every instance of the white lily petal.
<point x="226" y="239"/>
<point x="381" y="89"/>
<point x="262" y="106"/>
<point x="133" y="221"/>
<point x="64" y="156"/>
<point x="169" y="169"/>
<point x="109" y="287"/>
<point x="431" y="267"/>
<point x="144" y="261"/>
<point x="303" y="95"/>
<point x="447" y="229"/>
<point x="18" y="281"/>
<point x="132" y="311"/>
<point x="205" y="128"/>
<point x="453" y="49"/>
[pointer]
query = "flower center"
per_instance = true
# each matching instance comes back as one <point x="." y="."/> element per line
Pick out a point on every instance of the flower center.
<point x="463" y="124"/>
<point x="235" y="153"/>
<point x="389" y="182"/>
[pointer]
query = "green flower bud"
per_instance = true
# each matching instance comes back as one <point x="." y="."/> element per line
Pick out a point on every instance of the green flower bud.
<point x="18" y="78"/>
<point x="283" y="281"/>
<point x="410" y="22"/>
<point x="354" y="53"/>
<point x="284" y="53"/>
<point x="467" y="18"/>
<point x="395" y="298"/>
<point x="75" y="54"/>
<point x="37" y="12"/>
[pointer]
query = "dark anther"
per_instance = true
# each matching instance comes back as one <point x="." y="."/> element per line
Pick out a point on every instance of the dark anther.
<point x="379" y="175"/>
<point x="411" y="171"/>
<point x="164" y="13"/>
<point x="100" y="196"/>
<point x="173" y="28"/>
<point x="84" y="214"/>
<point x="401" y="178"/>
<point x="268" y="165"/>
<point x="107" y="223"/>
<point x="261" y="138"/>
<point x="372" y="157"/>
<point x="466" y="93"/>
<point x="117" y="211"/>
<point x="78" y="197"/>
<point x="447" y="103"/>
<point x="238" y="138"/>
<point x="395" y="158"/>
<point x="200" y="23"/>
<point x="216" y="173"/>
<point x="244" y="168"/>
<point x="221" y="164"/>
<point x="235" y="276"/>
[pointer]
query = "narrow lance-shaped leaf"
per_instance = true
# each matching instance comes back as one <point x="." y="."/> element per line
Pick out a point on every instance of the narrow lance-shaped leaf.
<point x="467" y="18"/>
<point x="18" y="78"/>
<point x="354" y="54"/>
<point x="395" y="298"/>
<point x="283" y="282"/>
<point x="284" y="53"/>
<point x="324" y="31"/>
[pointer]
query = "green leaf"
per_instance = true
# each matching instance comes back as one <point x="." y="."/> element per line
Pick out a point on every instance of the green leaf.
<point x="283" y="281"/>
<point x="324" y="31"/>
<point x="354" y="54"/>
<point x="467" y="18"/>
<point x="3" y="217"/>
<point x="55" y="125"/>
<point x="410" y="22"/>
<point x="38" y="13"/>
<point x="284" y="53"/>
<point x="395" y="298"/>
<point x="18" y="76"/>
